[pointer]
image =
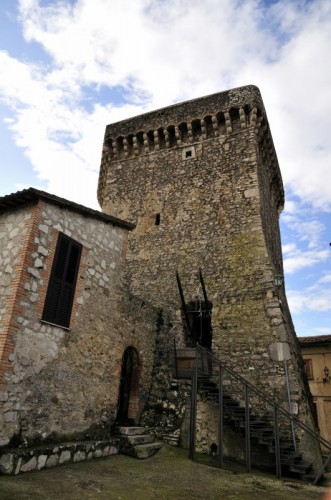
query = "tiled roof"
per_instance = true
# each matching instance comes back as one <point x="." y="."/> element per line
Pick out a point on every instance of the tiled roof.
<point x="318" y="339"/>
<point x="33" y="195"/>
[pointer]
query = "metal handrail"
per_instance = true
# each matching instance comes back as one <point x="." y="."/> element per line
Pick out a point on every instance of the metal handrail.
<point x="266" y="398"/>
<point x="175" y="358"/>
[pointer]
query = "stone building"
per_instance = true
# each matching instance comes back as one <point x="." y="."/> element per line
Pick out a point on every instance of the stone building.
<point x="316" y="353"/>
<point x="66" y="320"/>
<point x="85" y="295"/>
<point x="202" y="183"/>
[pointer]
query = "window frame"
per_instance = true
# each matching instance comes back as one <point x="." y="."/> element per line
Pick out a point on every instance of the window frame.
<point x="62" y="282"/>
<point x="308" y="367"/>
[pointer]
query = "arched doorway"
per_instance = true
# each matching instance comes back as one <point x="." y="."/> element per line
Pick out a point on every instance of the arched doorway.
<point x="129" y="384"/>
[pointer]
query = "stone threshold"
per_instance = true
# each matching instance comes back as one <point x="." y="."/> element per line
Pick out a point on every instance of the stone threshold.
<point x="18" y="460"/>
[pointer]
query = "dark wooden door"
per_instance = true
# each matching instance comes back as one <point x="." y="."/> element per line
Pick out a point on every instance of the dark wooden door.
<point x="128" y="362"/>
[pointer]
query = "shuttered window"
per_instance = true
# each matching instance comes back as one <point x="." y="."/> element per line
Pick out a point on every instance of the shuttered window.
<point x="308" y="366"/>
<point x="61" y="288"/>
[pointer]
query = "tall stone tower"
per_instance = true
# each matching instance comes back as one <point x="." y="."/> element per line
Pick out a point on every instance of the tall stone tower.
<point x="201" y="182"/>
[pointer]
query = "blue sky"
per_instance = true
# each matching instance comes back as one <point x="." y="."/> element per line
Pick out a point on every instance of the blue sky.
<point x="68" y="68"/>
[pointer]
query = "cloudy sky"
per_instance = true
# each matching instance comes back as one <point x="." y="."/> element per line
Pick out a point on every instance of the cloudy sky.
<point x="68" y="68"/>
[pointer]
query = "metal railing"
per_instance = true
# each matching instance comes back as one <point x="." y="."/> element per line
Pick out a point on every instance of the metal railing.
<point x="225" y="398"/>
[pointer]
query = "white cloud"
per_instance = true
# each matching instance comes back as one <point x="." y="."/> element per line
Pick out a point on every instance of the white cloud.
<point x="162" y="52"/>
<point x="297" y="260"/>
<point x="309" y="300"/>
<point x="158" y="52"/>
<point x="322" y="331"/>
<point x="291" y="208"/>
<point x="326" y="278"/>
<point x="306" y="247"/>
<point x="297" y="91"/>
<point x="308" y="231"/>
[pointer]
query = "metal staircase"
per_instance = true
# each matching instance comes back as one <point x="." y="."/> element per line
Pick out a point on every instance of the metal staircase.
<point x="262" y="434"/>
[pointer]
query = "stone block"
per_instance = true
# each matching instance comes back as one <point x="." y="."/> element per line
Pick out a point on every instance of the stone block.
<point x="34" y="272"/>
<point x="18" y="466"/>
<point x="11" y="416"/>
<point x="79" y="456"/>
<point x="38" y="263"/>
<point x="42" y="250"/>
<point x="294" y="408"/>
<point x="65" y="456"/>
<point x="30" y="465"/>
<point x="41" y="461"/>
<point x="279" y="351"/>
<point x="3" y="396"/>
<point x="7" y="463"/>
<point x="33" y="297"/>
<point x="52" y="461"/>
<point x="43" y="228"/>
<point x="105" y="452"/>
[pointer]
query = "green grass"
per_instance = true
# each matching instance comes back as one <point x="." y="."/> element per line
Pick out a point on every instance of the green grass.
<point x="167" y="475"/>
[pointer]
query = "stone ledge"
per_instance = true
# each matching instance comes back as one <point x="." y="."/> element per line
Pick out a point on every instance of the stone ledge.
<point x="19" y="460"/>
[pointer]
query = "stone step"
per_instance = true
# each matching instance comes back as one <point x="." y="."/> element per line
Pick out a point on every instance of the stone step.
<point x="136" y="442"/>
<point x="146" y="450"/>
<point x="140" y="439"/>
<point x="131" y="431"/>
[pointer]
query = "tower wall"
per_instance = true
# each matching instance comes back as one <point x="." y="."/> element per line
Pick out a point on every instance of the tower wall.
<point x="202" y="183"/>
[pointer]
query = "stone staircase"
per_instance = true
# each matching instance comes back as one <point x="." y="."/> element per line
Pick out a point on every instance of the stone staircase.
<point x="261" y="431"/>
<point x="137" y="442"/>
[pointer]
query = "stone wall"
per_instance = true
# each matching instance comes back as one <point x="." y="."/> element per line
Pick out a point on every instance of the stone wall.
<point x="15" y="230"/>
<point x="59" y="384"/>
<point x="21" y="460"/>
<point x="169" y="399"/>
<point x="202" y="183"/>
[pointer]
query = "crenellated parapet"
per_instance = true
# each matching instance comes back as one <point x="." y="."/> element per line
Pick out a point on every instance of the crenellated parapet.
<point x="217" y="116"/>
<point x="169" y="136"/>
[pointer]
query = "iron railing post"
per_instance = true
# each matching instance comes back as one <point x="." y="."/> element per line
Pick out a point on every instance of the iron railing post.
<point x="322" y="470"/>
<point x="175" y="355"/>
<point x="247" y="430"/>
<point x="220" y="417"/>
<point x="277" y="446"/>
<point x="194" y="392"/>
<point x="275" y="412"/>
<point x="290" y="403"/>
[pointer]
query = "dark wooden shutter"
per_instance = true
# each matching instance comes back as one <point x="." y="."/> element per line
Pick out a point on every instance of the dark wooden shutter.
<point x="61" y="288"/>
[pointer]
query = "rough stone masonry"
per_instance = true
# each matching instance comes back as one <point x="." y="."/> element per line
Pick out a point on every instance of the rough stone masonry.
<point x="202" y="183"/>
<point x="61" y="384"/>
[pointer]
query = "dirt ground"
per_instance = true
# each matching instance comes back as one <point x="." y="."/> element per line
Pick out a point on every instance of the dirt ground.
<point x="167" y="475"/>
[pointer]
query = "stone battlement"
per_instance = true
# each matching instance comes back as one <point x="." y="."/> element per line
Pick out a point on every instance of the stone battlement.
<point x="177" y="126"/>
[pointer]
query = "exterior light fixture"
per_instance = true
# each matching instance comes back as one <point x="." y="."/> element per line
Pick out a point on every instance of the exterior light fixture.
<point x="278" y="281"/>
<point x="326" y="377"/>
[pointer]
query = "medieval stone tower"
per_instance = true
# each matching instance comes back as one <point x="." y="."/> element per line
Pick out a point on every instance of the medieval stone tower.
<point x="202" y="183"/>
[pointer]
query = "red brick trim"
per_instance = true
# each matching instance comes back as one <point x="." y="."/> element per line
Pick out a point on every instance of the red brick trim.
<point x="14" y="308"/>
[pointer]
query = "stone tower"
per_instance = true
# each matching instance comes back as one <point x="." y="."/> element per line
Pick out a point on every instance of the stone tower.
<point x="201" y="182"/>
